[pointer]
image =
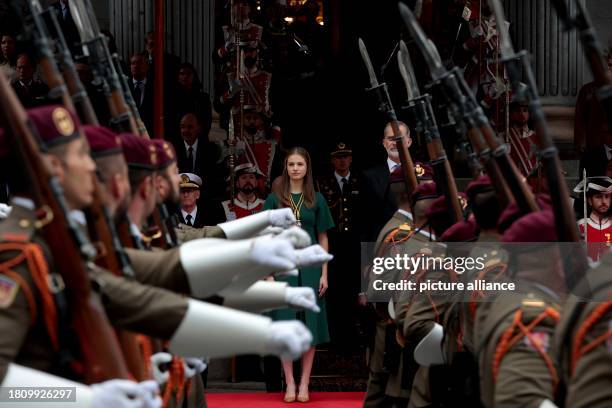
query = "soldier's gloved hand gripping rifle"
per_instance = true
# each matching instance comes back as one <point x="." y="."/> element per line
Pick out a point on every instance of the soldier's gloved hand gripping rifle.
<point x="592" y="49"/>
<point x="458" y="92"/>
<point x="518" y="66"/>
<point x="99" y="351"/>
<point x="420" y="105"/>
<point x="386" y="108"/>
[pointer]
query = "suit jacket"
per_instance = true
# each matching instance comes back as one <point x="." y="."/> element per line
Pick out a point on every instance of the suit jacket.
<point x="145" y="109"/>
<point x="32" y="96"/>
<point x="206" y="166"/>
<point x="69" y="29"/>
<point x="377" y="203"/>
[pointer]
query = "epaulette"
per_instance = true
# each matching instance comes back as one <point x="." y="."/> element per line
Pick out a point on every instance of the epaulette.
<point x="15" y="229"/>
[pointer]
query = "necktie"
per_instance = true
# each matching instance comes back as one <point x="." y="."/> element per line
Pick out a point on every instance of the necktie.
<point x="188" y="219"/>
<point x="344" y="181"/>
<point x="138" y="93"/>
<point x="190" y="158"/>
<point x="64" y="12"/>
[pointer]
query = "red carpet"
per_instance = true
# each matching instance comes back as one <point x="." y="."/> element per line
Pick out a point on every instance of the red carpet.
<point x="261" y="400"/>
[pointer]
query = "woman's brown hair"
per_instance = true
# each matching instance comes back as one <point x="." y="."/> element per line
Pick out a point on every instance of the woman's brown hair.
<point x="284" y="190"/>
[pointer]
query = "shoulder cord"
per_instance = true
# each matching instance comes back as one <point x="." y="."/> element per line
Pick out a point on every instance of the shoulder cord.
<point x="509" y="339"/>
<point x="578" y="350"/>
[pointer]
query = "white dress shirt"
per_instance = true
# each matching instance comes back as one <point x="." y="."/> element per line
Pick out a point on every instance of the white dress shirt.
<point x="339" y="179"/>
<point x="392" y="165"/>
<point x="193" y="214"/>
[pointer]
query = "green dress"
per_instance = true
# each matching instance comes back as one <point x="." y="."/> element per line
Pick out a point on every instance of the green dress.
<point x="313" y="220"/>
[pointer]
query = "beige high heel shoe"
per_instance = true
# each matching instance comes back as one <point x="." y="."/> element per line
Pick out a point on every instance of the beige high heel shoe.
<point x="289" y="396"/>
<point x="303" y="396"/>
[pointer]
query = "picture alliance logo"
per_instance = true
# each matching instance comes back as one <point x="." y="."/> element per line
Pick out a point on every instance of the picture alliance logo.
<point x="424" y="262"/>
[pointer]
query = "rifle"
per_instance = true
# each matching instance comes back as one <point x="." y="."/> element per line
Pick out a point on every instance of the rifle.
<point x="458" y="93"/>
<point x="35" y="32"/>
<point x="592" y="49"/>
<point x="100" y="353"/>
<point x="111" y="254"/>
<point x="567" y="230"/>
<point x="76" y="90"/>
<point x="96" y="49"/>
<point x="386" y="107"/>
<point x="420" y="105"/>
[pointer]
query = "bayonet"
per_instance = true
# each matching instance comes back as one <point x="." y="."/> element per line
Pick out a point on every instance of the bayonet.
<point x="430" y="53"/>
<point x="368" y="64"/>
<point x="407" y="71"/>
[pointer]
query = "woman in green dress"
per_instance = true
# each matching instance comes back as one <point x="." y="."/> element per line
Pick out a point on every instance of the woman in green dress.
<point x="296" y="191"/>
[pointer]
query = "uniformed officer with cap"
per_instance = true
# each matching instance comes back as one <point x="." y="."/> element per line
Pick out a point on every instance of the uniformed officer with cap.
<point x="341" y="191"/>
<point x="190" y="194"/>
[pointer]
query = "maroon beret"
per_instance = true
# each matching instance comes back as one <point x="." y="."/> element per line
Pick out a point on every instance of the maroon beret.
<point x="102" y="141"/>
<point x="462" y="231"/>
<point x="439" y="205"/>
<point x="537" y="226"/>
<point x="423" y="192"/>
<point x="54" y="124"/>
<point x="512" y="212"/>
<point x="139" y="153"/>
<point x="396" y="176"/>
<point x="165" y="153"/>
<point x="481" y="185"/>
<point x="423" y="171"/>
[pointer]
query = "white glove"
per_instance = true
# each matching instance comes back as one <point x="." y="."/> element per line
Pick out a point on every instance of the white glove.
<point x="283" y="218"/>
<point x="313" y="255"/>
<point x="125" y="394"/>
<point x="302" y="297"/>
<point x="273" y="254"/>
<point x="288" y="339"/>
<point x="298" y="237"/>
<point x="157" y="359"/>
<point x="5" y="210"/>
<point x="292" y="272"/>
<point x="193" y="366"/>
<point x="271" y="231"/>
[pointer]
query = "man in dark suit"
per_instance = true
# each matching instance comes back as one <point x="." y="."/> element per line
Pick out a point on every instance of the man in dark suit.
<point x="195" y="154"/>
<point x="190" y="194"/>
<point x="69" y="29"/>
<point x="377" y="202"/>
<point x="141" y="87"/>
<point x="30" y="92"/>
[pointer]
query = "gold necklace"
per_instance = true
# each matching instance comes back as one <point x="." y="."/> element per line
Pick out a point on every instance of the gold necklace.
<point x="297" y="208"/>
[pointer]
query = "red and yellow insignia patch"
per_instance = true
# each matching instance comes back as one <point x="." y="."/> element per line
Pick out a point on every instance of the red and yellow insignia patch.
<point x="8" y="291"/>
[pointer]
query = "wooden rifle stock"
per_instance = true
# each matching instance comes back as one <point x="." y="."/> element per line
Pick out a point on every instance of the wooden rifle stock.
<point x="405" y="158"/>
<point x="99" y="351"/>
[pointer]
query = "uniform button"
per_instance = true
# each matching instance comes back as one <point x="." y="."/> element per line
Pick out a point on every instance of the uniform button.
<point x="346" y="209"/>
<point x="344" y="199"/>
<point x="345" y="228"/>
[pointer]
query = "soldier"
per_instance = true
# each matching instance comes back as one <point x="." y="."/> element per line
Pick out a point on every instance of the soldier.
<point x="513" y="335"/>
<point x="596" y="228"/>
<point x="128" y="304"/>
<point x="245" y="202"/>
<point x="582" y="342"/>
<point x="385" y="383"/>
<point x="341" y="191"/>
<point x="190" y="194"/>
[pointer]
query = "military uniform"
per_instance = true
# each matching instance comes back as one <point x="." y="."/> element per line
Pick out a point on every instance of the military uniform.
<point x="26" y="313"/>
<point x="583" y="345"/>
<point x="342" y="198"/>
<point x="385" y="356"/>
<point x="513" y="333"/>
